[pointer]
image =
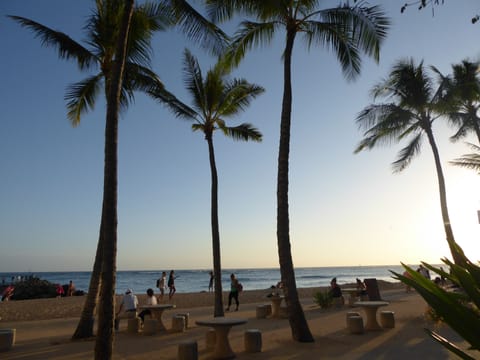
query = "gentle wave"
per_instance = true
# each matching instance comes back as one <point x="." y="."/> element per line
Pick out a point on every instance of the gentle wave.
<point x="197" y="280"/>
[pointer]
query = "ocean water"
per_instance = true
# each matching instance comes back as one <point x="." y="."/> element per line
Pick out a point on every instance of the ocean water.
<point x="197" y="280"/>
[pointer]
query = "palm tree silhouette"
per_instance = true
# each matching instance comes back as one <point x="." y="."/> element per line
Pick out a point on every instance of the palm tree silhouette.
<point x="215" y="99"/>
<point x="348" y="31"/>
<point x="410" y="114"/>
<point x="103" y="33"/>
<point x="102" y="30"/>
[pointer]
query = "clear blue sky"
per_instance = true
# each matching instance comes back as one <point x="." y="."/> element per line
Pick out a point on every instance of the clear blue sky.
<point x="345" y="209"/>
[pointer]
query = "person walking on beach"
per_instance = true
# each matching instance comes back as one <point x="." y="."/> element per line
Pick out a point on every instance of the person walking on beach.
<point x="210" y="284"/>
<point x="171" y="284"/>
<point x="162" y="284"/>
<point x="234" y="289"/>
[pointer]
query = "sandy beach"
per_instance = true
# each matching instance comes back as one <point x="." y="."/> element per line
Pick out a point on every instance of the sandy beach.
<point x="43" y="330"/>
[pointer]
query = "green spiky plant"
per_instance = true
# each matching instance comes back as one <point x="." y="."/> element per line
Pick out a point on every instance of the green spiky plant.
<point x="460" y="310"/>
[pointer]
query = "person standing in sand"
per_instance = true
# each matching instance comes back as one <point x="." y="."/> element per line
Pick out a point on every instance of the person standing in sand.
<point x="210" y="284"/>
<point x="171" y="284"/>
<point x="71" y="289"/>
<point x="234" y="285"/>
<point x="162" y="284"/>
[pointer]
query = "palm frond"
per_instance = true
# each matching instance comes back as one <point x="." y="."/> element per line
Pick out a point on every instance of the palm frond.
<point x="384" y="124"/>
<point x="193" y="80"/>
<point x="177" y="107"/>
<point x="243" y="132"/>
<point x="370" y="26"/>
<point x="140" y="78"/>
<point x="221" y="10"/>
<point x="249" y="35"/>
<point x="348" y="31"/>
<point x="146" y="20"/>
<point x="406" y="155"/>
<point x="238" y="94"/>
<point x="81" y="97"/>
<point x="197" y="28"/>
<point x="332" y="35"/>
<point x="469" y="161"/>
<point x="463" y="128"/>
<point x="67" y="47"/>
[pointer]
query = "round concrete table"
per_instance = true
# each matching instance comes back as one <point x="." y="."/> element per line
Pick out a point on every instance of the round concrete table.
<point x="157" y="311"/>
<point x="371" y="308"/>
<point x="276" y="302"/>
<point x="222" y="326"/>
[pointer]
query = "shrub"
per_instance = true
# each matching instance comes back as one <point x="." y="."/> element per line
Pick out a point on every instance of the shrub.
<point x="323" y="299"/>
<point x="33" y="288"/>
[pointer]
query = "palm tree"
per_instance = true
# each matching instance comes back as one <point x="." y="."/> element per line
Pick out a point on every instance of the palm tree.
<point x="104" y="340"/>
<point x="215" y="98"/>
<point x="348" y="31"/>
<point x="102" y="32"/>
<point x="411" y="113"/>
<point x="463" y="99"/>
<point x="102" y="29"/>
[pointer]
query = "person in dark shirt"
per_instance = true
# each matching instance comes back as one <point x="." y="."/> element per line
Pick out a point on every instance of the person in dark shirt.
<point x="336" y="293"/>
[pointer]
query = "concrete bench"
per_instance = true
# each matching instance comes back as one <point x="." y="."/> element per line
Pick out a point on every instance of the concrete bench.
<point x="187" y="350"/>
<point x="253" y="340"/>
<point x="352" y="313"/>
<point x="187" y="317"/>
<point x="387" y="319"/>
<point x="262" y="311"/>
<point x="355" y="324"/>
<point x="133" y="325"/>
<point x="7" y="339"/>
<point x="178" y="323"/>
<point x="150" y="326"/>
<point x="210" y="339"/>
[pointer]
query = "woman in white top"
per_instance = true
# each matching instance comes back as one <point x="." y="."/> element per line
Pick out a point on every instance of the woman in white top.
<point x="162" y="284"/>
<point x="151" y="300"/>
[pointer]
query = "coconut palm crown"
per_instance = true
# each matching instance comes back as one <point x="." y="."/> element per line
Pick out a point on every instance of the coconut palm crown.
<point x="462" y="99"/>
<point x="101" y="30"/>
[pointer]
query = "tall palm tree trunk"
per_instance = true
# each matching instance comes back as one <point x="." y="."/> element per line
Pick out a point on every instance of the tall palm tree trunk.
<point x="454" y="249"/>
<point x="85" y="325"/>
<point x="105" y="338"/>
<point x="296" y="317"/>
<point x="217" y="268"/>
